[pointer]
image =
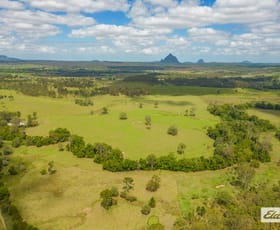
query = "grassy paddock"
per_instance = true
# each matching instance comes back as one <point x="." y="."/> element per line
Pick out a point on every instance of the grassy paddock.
<point x="129" y="135"/>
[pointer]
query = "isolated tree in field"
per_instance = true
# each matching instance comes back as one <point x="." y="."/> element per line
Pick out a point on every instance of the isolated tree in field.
<point x="32" y="120"/>
<point x="172" y="130"/>
<point x="104" y="110"/>
<point x="148" y="121"/>
<point x="152" y="202"/>
<point x="186" y="113"/>
<point x="156" y="104"/>
<point x="153" y="184"/>
<point x="146" y="209"/>
<point x="128" y="184"/>
<point x="51" y="169"/>
<point x="140" y="105"/>
<point x="107" y="197"/>
<point x="192" y="112"/>
<point x="123" y="116"/>
<point x="151" y="160"/>
<point x="181" y="148"/>
<point x="34" y="114"/>
<point x="114" y="191"/>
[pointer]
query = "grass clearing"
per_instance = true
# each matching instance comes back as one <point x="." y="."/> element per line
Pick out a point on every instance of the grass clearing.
<point x="131" y="135"/>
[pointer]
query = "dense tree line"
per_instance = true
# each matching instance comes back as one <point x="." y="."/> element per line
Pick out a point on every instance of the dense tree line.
<point x="267" y="105"/>
<point x="116" y="90"/>
<point x="259" y="82"/>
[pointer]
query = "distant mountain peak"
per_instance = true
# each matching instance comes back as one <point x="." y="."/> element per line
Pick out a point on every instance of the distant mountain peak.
<point x="170" y="59"/>
<point x="200" y="61"/>
<point x="246" y="62"/>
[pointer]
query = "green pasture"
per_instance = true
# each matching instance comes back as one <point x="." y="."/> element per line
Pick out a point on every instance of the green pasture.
<point x="130" y="135"/>
<point x="69" y="199"/>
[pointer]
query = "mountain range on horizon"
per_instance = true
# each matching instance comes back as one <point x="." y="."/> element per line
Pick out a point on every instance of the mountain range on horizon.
<point x="169" y="59"/>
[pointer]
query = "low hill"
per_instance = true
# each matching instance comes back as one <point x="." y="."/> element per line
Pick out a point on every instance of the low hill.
<point x="4" y="58"/>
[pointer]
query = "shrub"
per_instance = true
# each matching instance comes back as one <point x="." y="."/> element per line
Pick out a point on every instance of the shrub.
<point x="7" y="150"/>
<point x="148" y="121"/>
<point x="107" y="202"/>
<point x="104" y="110"/>
<point x="146" y="210"/>
<point x="51" y="169"/>
<point x="130" y="198"/>
<point x="114" y="191"/>
<point x="200" y="210"/>
<point x="172" y="130"/>
<point x="16" y="142"/>
<point x="127" y="197"/>
<point x="123" y="116"/>
<point x="128" y="184"/>
<point x="181" y="148"/>
<point x="152" y="202"/>
<point x="224" y="199"/>
<point x="4" y="193"/>
<point x="12" y="170"/>
<point x="255" y="163"/>
<point x="107" y="197"/>
<point x="43" y="172"/>
<point x="153" y="184"/>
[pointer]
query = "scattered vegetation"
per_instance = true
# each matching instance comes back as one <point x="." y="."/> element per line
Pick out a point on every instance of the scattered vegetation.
<point x="172" y="130"/>
<point x="153" y="184"/>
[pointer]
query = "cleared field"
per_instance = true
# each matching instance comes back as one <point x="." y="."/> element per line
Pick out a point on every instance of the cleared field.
<point x="44" y="200"/>
<point x="130" y="135"/>
<point x="271" y="115"/>
<point x="243" y="96"/>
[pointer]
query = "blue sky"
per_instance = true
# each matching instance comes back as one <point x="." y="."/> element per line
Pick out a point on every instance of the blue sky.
<point x="141" y="30"/>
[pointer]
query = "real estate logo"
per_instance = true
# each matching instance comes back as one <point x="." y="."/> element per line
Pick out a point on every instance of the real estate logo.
<point x="270" y="215"/>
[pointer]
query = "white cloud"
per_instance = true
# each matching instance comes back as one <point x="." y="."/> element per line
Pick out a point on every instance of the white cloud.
<point x="40" y="17"/>
<point x="24" y="24"/>
<point x="79" y="5"/>
<point x="191" y="13"/>
<point x="209" y="35"/>
<point x="6" y="4"/>
<point x="104" y="31"/>
<point x="138" y="9"/>
<point x="47" y="49"/>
